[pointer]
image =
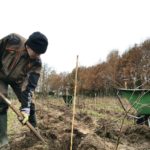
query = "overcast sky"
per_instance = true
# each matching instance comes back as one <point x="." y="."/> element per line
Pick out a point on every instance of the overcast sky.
<point x="88" y="28"/>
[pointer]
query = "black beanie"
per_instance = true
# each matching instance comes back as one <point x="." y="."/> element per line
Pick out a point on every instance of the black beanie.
<point x="38" y="42"/>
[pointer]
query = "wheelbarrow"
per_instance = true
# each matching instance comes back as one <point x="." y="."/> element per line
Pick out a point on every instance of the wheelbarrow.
<point x="139" y="100"/>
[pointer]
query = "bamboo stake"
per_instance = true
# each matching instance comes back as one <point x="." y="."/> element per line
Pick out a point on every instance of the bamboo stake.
<point x="74" y="103"/>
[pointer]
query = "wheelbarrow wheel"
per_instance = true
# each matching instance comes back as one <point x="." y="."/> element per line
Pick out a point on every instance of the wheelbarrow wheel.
<point x="142" y="119"/>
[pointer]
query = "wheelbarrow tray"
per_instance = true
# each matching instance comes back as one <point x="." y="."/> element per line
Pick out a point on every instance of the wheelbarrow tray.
<point x="138" y="98"/>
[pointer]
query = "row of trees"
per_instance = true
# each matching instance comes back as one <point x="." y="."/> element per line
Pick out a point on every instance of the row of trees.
<point x="131" y="70"/>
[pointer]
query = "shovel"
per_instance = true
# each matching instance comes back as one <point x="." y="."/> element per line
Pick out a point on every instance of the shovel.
<point x="19" y="114"/>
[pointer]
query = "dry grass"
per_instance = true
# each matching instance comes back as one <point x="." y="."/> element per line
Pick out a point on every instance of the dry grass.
<point x="14" y="126"/>
<point x="106" y="107"/>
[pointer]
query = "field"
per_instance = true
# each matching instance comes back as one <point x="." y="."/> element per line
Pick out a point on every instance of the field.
<point x="100" y="124"/>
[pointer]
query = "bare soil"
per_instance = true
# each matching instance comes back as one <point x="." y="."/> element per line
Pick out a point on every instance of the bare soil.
<point x="90" y="132"/>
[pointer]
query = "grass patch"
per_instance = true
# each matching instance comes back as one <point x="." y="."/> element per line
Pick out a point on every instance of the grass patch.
<point x="14" y="126"/>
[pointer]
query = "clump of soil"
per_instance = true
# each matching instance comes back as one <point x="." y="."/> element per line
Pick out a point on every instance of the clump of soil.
<point x="87" y="120"/>
<point x="137" y="134"/>
<point x="107" y="129"/>
<point x="93" y="142"/>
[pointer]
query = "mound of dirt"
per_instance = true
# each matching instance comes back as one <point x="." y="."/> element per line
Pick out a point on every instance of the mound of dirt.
<point x="94" y="142"/>
<point x="137" y="134"/>
<point x="83" y="117"/>
<point x="107" y="129"/>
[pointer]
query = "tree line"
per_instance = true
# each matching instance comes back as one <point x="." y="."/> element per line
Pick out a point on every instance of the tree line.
<point x="130" y="70"/>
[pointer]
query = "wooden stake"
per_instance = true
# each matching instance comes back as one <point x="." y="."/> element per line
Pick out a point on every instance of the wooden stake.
<point x="74" y="103"/>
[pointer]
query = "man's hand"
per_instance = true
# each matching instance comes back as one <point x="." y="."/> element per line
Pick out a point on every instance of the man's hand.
<point x="26" y="117"/>
<point x="25" y="112"/>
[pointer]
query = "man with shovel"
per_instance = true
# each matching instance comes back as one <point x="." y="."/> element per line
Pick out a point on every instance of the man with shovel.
<point x="20" y="67"/>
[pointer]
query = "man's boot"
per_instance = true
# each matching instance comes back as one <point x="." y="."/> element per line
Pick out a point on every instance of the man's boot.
<point x="32" y="116"/>
<point x="3" y="130"/>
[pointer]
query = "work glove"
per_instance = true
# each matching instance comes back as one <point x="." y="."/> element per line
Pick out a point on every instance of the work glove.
<point x="25" y="112"/>
<point x="25" y="117"/>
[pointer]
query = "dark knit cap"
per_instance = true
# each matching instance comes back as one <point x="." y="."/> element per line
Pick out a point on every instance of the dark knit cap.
<point x="38" y="42"/>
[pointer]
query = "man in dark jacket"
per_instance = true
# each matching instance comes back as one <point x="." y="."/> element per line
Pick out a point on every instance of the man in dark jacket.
<point x="20" y="67"/>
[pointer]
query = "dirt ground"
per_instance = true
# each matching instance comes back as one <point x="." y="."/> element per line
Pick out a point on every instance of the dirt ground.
<point x="90" y="133"/>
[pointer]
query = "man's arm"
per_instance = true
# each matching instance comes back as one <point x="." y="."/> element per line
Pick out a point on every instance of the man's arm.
<point x="26" y="96"/>
<point x="32" y="81"/>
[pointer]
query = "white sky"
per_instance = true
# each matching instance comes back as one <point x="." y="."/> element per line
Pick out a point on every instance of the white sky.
<point x="88" y="28"/>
